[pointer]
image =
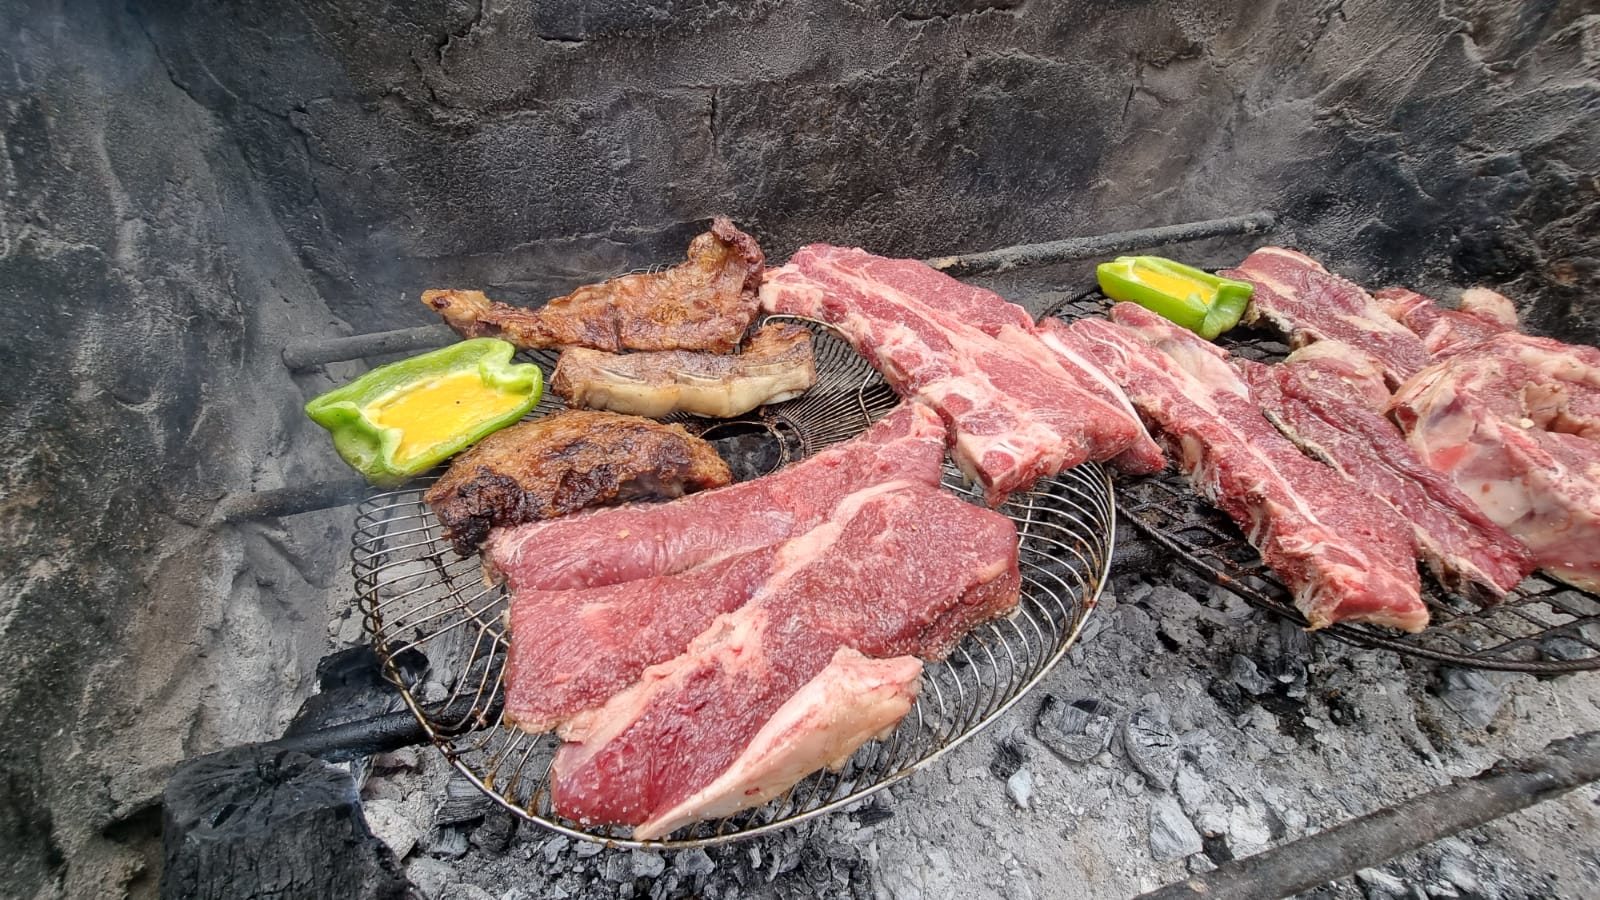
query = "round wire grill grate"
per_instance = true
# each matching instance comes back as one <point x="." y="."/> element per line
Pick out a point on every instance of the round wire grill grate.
<point x="1544" y="626"/>
<point x="418" y="595"/>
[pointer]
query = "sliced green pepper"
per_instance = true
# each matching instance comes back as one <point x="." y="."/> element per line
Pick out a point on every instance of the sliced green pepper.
<point x="1204" y="303"/>
<point x="407" y="417"/>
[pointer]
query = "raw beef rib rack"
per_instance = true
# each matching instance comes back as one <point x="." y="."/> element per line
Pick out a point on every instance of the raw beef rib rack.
<point x="417" y="594"/>
<point x="1543" y="626"/>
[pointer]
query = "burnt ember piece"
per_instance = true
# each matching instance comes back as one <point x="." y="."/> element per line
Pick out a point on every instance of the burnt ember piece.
<point x="609" y="546"/>
<point x="566" y="462"/>
<point x="640" y="760"/>
<point x="1014" y="415"/>
<point x="776" y="365"/>
<point x="1345" y="556"/>
<point x="250" y="822"/>
<point x="1514" y="422"/>
<point x="707" y="303"/>
<point x="1464" y="549"/>
<point x="1483" y="314"/>
<point x="1300" y="298"/>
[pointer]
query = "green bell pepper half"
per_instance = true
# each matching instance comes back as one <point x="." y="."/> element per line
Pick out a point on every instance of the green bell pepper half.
<point x="1204" y="303"/>
<point x="372" y="450"/>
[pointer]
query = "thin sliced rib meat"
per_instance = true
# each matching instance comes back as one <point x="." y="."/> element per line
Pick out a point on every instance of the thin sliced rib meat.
<point x="1306" y="302"/>
<point x="1514" y="422"/>
<point x="1011" y="419"/>
<point x="624" y="543"/>
<point x="1443" y="331"/>
<point x="1344" y="556"/>
<point x="1464" y="549"/>
<point x="851" y="701"/>
<point x="686" y="722"/>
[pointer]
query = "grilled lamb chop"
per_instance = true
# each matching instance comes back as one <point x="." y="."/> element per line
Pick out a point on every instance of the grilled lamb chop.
<point x="705" y="304"/>
<point x="566" y="462"/>
<point x="777" y="364"/>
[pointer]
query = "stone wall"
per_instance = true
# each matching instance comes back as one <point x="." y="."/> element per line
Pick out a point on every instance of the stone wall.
<point x="187" y="188"/>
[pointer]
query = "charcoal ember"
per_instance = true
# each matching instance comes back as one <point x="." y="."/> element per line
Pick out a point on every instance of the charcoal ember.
<point x="1248" y="676"/>
<point x="431" y="876"/>
<point x="1010" y="753"/>
<point x="1172" y="835"/>
<point x="463" y="802"/>
<point x="554" y="847"/>
<point x="617" y="868"/>
<point x="648" y="865"/>
<point x="1176" y="615"/>
<point x="444" y="842"/>
<point x="1151" y="746"/>
<point x="750" y="450"/>
<point x="249" y="822"/>
<point x="1076" y="730"/>
<point x="494" y="834"/>
<point x="1380" y="885"/>
<point x="1019" y="787"/>
<point x="390" y="822"/>
<point x="872" y="814"/>
<point x="1474" y="695"/>
<point x="694" y="862"/>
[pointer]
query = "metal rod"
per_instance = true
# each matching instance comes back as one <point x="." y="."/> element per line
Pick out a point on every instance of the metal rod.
<point x="1070" y="249"/>
<point x="314" y="352"/>
<point x="1369" y="840"/>
<point x="289" y="501"/>
<point x="309" y="353"/>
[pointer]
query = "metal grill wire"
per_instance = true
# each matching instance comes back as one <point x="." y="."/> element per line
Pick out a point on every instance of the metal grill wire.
<point x="1543" y="627"/>
<point x="417" y="594"/>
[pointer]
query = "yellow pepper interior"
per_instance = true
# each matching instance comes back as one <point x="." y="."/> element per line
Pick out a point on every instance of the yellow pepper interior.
<point x="1174" y="285"/>
<point x="438" y="410"/>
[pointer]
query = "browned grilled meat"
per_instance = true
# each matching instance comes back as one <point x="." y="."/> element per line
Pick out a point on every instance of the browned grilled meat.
<point x="566" y="462"/>
<point x="705" y="304"/>
<point x="776" y="364"/>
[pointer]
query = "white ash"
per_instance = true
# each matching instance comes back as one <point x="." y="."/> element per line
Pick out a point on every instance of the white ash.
<point x="1185" y="731"/>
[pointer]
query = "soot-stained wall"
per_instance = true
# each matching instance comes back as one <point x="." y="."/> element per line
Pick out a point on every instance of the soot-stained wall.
<point x="188" y="187"/>
<point x="521" y="147"/>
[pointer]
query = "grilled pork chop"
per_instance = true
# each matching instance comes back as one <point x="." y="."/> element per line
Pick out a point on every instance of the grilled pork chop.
<point x="566" y="462"/>
<point x="707" y="303"/>
<point x="777" y="364"/>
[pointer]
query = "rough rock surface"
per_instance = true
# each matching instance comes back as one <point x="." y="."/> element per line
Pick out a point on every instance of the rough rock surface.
<point x="188" y="187"/>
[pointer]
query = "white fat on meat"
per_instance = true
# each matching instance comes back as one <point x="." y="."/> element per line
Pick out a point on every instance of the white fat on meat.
<point x="1356" y="369"/>
<point x="1489" y="305"/>
<point x="852" y="701"/>
<point x="1515" y="423"/>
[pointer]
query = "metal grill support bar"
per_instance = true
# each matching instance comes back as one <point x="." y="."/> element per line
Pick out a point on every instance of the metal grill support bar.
<point x="1070" y="249"/>
<point x="1371" y="839"/>
<point x="310" y="353"/>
